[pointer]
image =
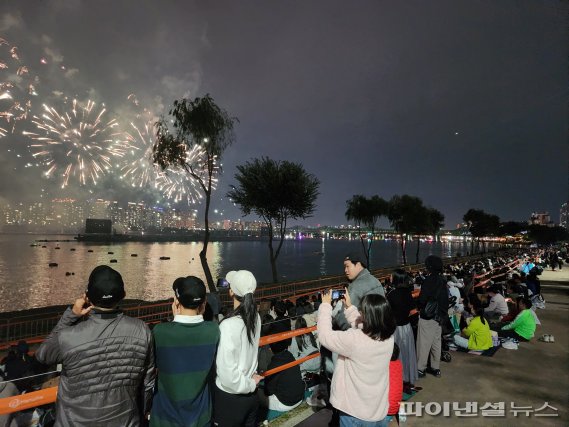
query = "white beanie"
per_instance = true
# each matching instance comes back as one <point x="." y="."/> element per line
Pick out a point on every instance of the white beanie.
<point x="241" y="282"/>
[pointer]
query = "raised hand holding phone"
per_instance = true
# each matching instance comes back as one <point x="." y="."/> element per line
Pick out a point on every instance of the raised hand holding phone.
<point x="347" y="299"/>
<point x="326" y="296"/>
<point x="82" y="306"/>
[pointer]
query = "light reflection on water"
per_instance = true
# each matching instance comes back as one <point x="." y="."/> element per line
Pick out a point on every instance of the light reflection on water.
<point x="26" y="281"/>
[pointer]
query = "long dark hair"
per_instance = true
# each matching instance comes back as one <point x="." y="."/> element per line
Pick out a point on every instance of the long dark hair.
<point x="400" y="278"/>
<point x="478" y="309"/>
<point x="377" y="317"/>
<point x="299" y="324"/>
<point x="248" y="312"/>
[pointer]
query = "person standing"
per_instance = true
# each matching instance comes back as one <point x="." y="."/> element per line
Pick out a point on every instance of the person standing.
<point x="108" y="360"/>
<point x="433" y="308"/>
<point x="362" y="283"/>
<point x="185" y="356"/>
<point x="235" y="401"/>
<point x="553" y="260"/>
<point x="401" y="302"/>
<point x="360" y="384"/>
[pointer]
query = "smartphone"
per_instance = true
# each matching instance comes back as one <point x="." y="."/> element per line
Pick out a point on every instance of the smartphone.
<point x="338" y="293"/>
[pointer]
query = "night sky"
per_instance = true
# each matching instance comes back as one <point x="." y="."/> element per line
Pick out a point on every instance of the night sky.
<point x="462" y="103"/>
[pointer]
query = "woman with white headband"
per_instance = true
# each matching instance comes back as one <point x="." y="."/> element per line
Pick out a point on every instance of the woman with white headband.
<point x="235" y="400"/>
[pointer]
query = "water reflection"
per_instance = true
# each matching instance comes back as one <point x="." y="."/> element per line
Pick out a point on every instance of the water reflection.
<point x="323" y="258"/>
<point x="26" y="280"/>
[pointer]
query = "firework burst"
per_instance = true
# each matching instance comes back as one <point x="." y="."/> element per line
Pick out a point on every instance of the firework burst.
<point x="178" y="185"/>
<point x="76" y="143"/>
<point x="17" y="88"/>
<point x="139" y="171"/>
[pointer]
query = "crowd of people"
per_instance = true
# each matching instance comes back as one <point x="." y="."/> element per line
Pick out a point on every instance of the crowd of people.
<point x="203" y="369"/>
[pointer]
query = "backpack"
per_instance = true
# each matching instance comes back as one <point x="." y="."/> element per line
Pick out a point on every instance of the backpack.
<point x="431" y="309"/>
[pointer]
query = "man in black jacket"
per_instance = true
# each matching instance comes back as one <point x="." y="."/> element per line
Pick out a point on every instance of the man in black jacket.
<point x="433" y="309"/>
<point x="108" y="358"/>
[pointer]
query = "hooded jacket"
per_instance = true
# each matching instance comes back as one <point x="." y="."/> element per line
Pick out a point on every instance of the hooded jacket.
<point x="108" y="369"/>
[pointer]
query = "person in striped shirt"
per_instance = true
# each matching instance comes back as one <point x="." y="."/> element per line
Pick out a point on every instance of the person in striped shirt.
<point x="185" y="358"/>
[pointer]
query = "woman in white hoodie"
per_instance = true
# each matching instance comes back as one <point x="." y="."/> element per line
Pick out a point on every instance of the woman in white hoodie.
<point x="235" y="400"/>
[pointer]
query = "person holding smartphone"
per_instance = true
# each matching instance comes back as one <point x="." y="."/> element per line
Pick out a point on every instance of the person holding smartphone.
<point x="360" y="384"/>
<point x="108" y="358"/>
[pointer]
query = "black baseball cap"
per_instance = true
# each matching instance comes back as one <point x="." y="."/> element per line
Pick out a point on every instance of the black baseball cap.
<point x="105" y="287"/>
<point x="356" y="257"/>
<point x="190" y="291"/>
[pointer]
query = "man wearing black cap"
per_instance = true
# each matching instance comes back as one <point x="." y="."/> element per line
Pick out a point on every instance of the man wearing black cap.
<point x="185" y="356"/>
<point x="361" y="284"/>
<point x="108" y="360"/>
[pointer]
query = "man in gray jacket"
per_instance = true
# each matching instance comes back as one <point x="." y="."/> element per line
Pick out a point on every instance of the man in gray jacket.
<point x="361" y="284"/>
<point x="108" y="358"/>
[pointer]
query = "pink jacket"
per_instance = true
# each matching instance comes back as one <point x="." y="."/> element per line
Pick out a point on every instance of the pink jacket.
<point x="360" y="383"/>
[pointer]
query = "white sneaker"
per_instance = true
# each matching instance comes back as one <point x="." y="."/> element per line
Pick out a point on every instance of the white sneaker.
<point x="315" y="402"/>
<point x="551" y="338"/>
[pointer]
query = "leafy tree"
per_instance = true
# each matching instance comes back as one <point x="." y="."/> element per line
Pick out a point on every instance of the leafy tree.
<point x="543" y="234"/>
<point x="275" y="191"/>
<point x="201" y="133"/>
<point x="430" y="222"/>
<point x="406" y="215"/>
<point x="481" y="224"/>
<point x="511" y="228"/>
<point x="365" y="213"/>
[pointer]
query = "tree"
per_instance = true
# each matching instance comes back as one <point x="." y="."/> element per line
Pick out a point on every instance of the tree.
<point x="511" y="228"/>
<point x="199" y="125"/>
<point x="275" y="191"/>
<point x="430" y="222"/>
<point x="481" y="224"/>
<point x="406" y="215"/>
<point x="543" y="234"/>
<point x="365" y="213"/>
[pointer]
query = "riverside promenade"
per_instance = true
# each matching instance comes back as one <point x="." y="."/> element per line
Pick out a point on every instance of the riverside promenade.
<point x="536" y="373"/>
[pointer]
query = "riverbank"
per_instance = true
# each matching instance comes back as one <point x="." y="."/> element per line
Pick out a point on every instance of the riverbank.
<point x="535" y="374"/>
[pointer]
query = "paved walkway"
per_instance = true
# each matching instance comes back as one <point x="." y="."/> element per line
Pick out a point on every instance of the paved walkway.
<point x="536" y="373"/>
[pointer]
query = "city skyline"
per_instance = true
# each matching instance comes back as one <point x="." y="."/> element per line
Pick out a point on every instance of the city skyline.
<point x="70" y="216"/>
<point x="461" y="104"/>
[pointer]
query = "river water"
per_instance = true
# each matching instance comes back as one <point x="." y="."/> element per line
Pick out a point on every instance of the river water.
<point x="27" y="281"/>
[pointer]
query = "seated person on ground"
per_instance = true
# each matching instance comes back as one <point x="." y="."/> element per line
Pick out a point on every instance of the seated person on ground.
<point x="304" y="345"/>
<point x="285" y="389"/>
<point x="265" y="354"/>
<point x="523" y="326"/>
<point x="453" y="291"/>
<point x="282" y="315"/>
<point x="498" y="306"/>
<point x="533" y="283"/>
<point x="477" y="335"/>
<point x="19" y="366"/>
